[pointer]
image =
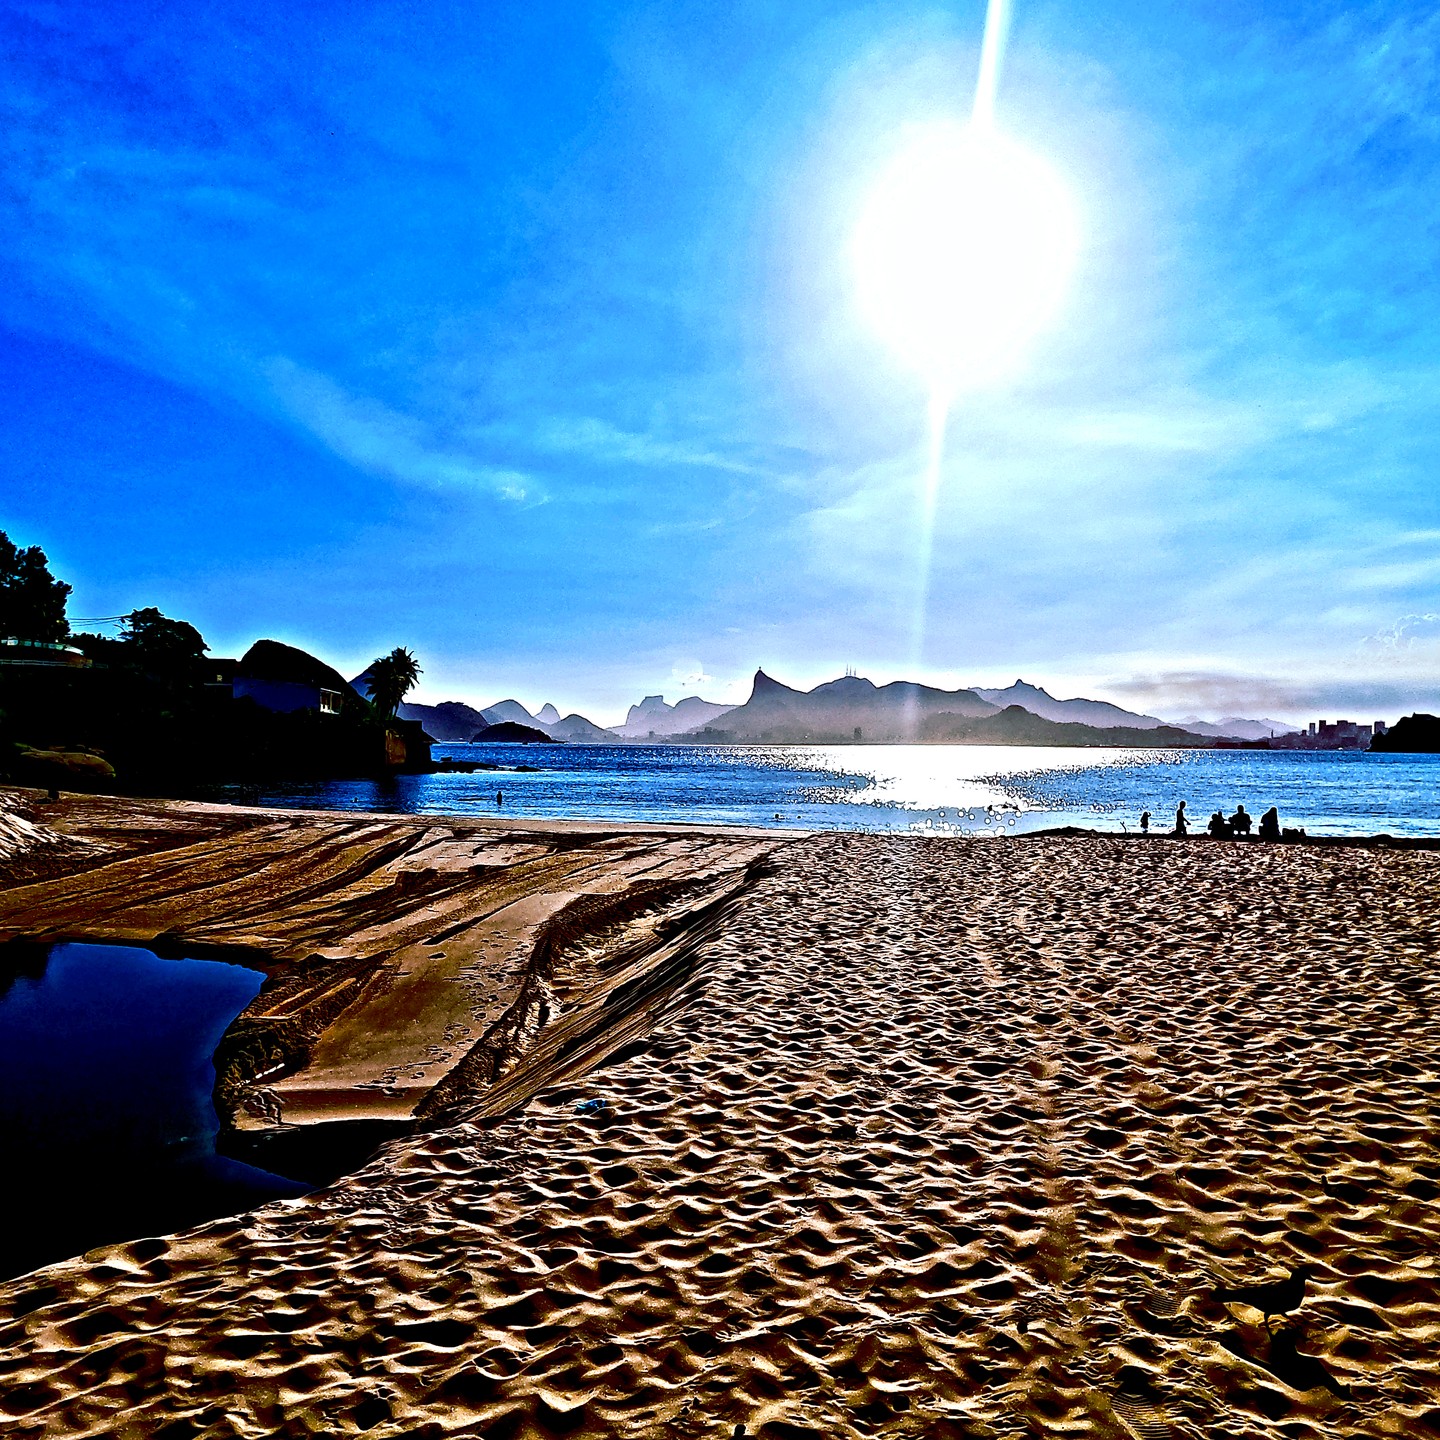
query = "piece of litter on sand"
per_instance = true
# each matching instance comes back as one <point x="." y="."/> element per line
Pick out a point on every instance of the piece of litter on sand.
<point x="591" y="1107"/>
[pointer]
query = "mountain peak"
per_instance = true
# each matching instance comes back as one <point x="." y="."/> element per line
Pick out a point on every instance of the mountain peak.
<point x="1041" y="702"/>
<point x="763" y="685"/>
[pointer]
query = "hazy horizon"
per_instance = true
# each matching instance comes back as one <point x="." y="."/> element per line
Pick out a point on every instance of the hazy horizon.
<point x="611" y="720"/>
<point x="531" y="340"/>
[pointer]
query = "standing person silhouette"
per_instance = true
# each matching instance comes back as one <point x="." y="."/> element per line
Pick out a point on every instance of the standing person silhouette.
<point x="1144" y="822"/>
<point x="1182" y="825"/>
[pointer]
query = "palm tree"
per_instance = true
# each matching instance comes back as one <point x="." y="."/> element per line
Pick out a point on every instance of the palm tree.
<point x="391" y="678"/>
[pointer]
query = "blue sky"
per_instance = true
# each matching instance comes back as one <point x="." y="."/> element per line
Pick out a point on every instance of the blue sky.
<point x="524" y="335"/>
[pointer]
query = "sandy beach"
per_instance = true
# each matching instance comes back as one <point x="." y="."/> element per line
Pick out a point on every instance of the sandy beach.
<point x="792" y="1136"/>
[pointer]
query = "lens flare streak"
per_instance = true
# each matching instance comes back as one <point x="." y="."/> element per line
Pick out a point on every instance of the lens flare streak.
<point x="992" y="55"/>
<point x="963" y="253"/>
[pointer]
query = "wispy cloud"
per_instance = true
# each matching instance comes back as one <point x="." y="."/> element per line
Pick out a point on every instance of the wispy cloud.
<point x="1219" y="693"/>
<point x="385" y="442"/>
<point x="600" y="440"/>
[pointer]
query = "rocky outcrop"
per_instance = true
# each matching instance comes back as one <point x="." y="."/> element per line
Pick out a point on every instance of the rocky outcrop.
<point x="32" y="849"/>
<point x="62" y="769"/>
<point x="413" y="968"/>
<point x="1417" y="734"/>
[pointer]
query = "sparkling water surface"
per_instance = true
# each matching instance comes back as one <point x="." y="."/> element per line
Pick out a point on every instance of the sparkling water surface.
<point x="969" y="789"/>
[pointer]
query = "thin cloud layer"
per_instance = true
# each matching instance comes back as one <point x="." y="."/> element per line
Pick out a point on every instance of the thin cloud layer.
<point x="384" y="442"/>
<point x="545" y="327"/>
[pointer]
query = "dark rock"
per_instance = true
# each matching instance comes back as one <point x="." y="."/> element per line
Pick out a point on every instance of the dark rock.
<point x="510" y="732"/>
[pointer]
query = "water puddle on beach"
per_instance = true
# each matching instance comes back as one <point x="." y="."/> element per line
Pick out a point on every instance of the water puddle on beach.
<point x="107" y="1129"/>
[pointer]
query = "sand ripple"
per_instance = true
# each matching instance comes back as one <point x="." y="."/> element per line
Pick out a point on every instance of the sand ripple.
<point x="957" y="1141"/>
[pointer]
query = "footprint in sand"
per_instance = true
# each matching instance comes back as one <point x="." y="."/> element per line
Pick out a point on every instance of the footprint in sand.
<point x="1140" y="1407"/>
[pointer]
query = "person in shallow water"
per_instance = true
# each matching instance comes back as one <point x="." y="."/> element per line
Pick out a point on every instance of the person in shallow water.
<point x="1182" y="825"/>
<point x="1144" y="822"/>
<point x="1240" y="821"/>
<point x="1270" y="824"/>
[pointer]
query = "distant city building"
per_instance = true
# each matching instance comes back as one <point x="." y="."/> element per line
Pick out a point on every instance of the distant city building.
<point x="1328" y="735"/>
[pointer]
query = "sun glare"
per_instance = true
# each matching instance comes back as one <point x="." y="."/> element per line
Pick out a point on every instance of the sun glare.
<point x="962" y="254"/>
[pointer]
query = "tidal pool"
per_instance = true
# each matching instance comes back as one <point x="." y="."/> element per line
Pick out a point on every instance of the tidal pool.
<point x="107" y="1128"/>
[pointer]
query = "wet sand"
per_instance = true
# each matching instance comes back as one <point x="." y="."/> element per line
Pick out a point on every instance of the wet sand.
<point x="925" y="1137"/>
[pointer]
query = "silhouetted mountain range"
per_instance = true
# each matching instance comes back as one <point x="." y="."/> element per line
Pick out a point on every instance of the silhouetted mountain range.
<point x="1235" y="727"/>
<point x="652" y="716"/>
<point x="1017" y="726"/>
<point x="454" y="722"/>
<point x="1082" y="712"/>
<point x="571" y="727"/>
<point x="835" y="711"/>
<point x="842" y="711"/>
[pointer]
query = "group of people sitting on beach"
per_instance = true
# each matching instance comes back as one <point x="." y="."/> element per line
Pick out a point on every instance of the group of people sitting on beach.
<point x="1236" y="826"/>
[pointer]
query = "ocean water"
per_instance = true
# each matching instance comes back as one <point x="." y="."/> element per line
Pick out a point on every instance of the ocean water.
<point x="965" y="789"/>
<point x="106" y="1121"/>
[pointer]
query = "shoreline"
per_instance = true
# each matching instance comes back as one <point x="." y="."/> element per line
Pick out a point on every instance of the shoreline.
<point x="950" y="1140"/>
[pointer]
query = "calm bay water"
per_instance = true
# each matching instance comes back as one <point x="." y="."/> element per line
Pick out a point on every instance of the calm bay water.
<point x="926" y="788"/>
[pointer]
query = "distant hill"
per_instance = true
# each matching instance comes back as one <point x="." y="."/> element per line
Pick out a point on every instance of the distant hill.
<point x="652" y="716"/>
<point x="1083" y="712"/>
<point x="508" y="732"/>
<point x="1017" y="726"/>
<point x="574" y="729"/>
<point x="507" y="710"/>
<point x="448" y="722"/>
<point x="578" y="730"/>
<point x="1235" y="727"/>
<point x="833" y="712"/>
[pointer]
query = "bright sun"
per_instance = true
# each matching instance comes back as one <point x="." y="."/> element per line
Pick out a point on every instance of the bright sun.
<point x="963" y="252"/>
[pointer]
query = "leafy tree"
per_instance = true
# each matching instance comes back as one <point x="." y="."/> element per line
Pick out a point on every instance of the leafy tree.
<point x="32" y="600"/>
<point x="391" y="678"/>
<point x="156" y="643"/>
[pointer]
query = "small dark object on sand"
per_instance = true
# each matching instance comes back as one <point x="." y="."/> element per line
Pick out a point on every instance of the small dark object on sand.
<point x="1278" y="1297"/>
<point x="1300" y="1372"/>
